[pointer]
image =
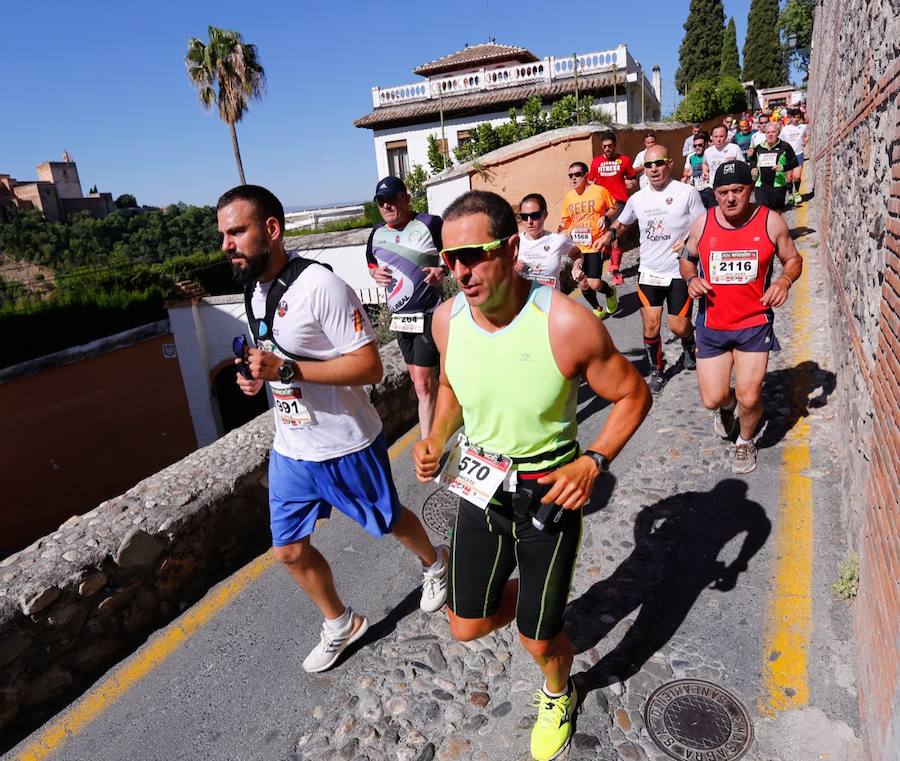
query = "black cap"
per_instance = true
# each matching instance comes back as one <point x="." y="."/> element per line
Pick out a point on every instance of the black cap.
<point x="389" y="187"/>
<point x="733" y="173"/>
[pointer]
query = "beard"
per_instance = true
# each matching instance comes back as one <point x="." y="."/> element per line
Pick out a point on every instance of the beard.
<point x="256" y="265"/>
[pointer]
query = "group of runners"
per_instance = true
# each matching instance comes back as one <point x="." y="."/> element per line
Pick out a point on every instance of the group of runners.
<point x="503" y="360"/>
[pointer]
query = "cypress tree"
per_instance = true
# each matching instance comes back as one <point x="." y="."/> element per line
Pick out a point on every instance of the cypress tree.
<point x="731" y="64"/>
<point x="701" y="49"/>
<point x="763" y="55"/>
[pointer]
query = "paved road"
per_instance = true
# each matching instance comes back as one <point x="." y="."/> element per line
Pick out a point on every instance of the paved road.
<point x="644" y="610"/>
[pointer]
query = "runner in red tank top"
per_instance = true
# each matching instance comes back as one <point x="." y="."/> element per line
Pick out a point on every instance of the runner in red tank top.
<point x="735" y="245"/>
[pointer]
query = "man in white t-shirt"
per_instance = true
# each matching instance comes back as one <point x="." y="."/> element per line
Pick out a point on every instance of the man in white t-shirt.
<point x="688" y="148"/>
<point x="719" y="152"/>
<point x="664" y="210"/>
<point x="795" y="134"/>
<point x="317" y="350"/>
<point x="649" y="142"/>
<point x="540" y="251"/>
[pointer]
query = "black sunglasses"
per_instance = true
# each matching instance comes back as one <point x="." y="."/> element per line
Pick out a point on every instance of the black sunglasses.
<point x="382" y="201"/>
<point x="239" y="346"/>
<point x="657" y="162"/>
<point x="573" y="175"/>
<point x="533" y="215"/>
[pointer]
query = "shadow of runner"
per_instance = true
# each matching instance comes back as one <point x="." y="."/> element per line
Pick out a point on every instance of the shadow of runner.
<point x="675" y="558"/>
<point x="796" y="386"/>
<point x="387" y="625"/>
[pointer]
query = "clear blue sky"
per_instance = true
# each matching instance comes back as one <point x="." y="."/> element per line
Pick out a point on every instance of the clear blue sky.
<point x="107" y="82"/>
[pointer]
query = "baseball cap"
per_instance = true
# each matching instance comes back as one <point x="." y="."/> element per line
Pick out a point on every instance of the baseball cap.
<point x="389" y="187"/>
<point x="733" y="173"/>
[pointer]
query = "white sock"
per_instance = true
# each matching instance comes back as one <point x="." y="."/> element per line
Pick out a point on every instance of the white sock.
<point x="550" y="694"/>
<point x="438" y="564"/>
<point x="742" y="440"/>
<point x="340" y="623"/>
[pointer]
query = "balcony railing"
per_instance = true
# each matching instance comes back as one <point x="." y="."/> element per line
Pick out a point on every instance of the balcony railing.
<point x="547" y="70"/>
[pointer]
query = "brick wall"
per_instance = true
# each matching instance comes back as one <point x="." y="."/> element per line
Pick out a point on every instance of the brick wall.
<point x="855" y="112"/>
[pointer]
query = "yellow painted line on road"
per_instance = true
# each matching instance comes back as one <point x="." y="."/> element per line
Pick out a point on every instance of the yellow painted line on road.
<point x="115" y="685"/>
<point x="789" y="618"/>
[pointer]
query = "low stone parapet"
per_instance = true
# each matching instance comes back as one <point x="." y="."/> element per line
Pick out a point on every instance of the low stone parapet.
<point x="77" y="600"/>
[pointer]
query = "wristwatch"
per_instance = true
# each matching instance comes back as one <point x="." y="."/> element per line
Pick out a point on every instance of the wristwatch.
<point x="287" y="372"/>
<point x="601" y="460"/>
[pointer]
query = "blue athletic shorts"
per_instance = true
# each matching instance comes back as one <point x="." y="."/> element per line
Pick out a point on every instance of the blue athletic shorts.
<point x="359" y="485"/>
<point x="712" y="343"/>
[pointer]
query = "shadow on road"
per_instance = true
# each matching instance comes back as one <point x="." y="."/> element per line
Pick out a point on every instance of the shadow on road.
<point x="797" y="384"/>
<point x="629" y="303"/>
<point x="676" y="557"/>
<point x="386" y="625"/>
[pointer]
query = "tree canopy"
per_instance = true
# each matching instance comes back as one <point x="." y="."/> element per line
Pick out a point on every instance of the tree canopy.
<point x="796" y="26"/>
<point x="730" y="65"/>
<point x="228" y="74"/>
<point x="764" y="60"/>
<point x="700" y="54"/>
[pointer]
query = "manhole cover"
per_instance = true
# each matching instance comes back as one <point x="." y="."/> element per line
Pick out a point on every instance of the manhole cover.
<point x="439" y="512"/>
<point x="690" y="719"/>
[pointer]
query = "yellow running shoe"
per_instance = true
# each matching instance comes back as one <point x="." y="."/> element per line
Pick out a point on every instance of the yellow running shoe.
<point x="612" y="301"/>
<point x="600" y="314"/>
<point x="553" y="729"/>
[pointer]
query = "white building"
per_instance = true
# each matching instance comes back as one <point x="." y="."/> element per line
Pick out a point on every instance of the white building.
<point x="481" y="83"/>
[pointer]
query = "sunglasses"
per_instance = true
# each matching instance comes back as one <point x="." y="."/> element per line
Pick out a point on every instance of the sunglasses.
<point x="533" y="215"/>
<point x="239" y="346"/>
<point x="573" y="175"/>
<point x="658" y="162"/>
<point x="382" y="202"/>
<point x="471" y="254"/>
<point x="699" y="145"/>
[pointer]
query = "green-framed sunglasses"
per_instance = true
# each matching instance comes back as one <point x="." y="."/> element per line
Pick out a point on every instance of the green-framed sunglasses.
<point x="471" y="253"/>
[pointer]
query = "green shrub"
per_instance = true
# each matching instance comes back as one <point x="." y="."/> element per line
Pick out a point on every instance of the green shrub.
<point x="731" y="96"/>
<point x="847" y="585"/>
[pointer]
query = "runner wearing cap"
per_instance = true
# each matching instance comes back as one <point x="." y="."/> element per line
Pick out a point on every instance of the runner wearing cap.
<point x="540" y="251"/>
<point x="403" y="257"/>
<point x="586" y="212"/>
<point x="513" y="354"/>
<point x="727" y="264"/>
<point x="663" y="211"/>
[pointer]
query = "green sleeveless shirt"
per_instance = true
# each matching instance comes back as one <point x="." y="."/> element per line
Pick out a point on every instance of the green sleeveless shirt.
<point x="515" y="401"/>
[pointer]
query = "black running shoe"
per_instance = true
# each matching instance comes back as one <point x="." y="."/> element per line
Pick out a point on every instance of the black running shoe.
<point x="689" y="355"/>
<point x="656" y="381"/>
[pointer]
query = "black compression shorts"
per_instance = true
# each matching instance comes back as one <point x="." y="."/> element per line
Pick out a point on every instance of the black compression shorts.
<point x="489" y="544"/>
<point x="674" y="296"/>
<point x="419" y="348"/>
<point x="592" y="265"/>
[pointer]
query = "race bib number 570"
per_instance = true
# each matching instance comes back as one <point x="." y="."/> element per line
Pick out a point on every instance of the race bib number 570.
<point x="473" y="474"/>
<point x="733" y="267"/>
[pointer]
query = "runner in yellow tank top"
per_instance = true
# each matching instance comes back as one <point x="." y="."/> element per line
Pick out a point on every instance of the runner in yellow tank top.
<point x="512" y="355"/>
<point x="586" y="213"/>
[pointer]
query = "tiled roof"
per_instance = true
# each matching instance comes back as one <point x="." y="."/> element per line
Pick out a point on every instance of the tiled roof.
<point x="487" y="52"/>
<point x="479" y="102"/>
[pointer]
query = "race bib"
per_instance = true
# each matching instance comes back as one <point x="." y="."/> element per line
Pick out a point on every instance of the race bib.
<point x="539" y="278"/>
<point x="408" y="323"/>
<point x="651" y="278"/>
<point x="582" y="236"/>
<point x="733" y="267"/>
<point x="700" y="183"/>
<point x="766" y="160"/>
<point x="473" y="474"/>
<point x="290" y="408"/>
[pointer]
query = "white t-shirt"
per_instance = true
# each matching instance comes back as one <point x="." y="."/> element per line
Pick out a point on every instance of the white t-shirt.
<point x="688" y="148"/>
<point x="793" y="136"/>
<point x="319" y="317"/>
<point x="639" y="165"/>
<point x="758" y="138"/>
<point x="543" y="257"/>
<point x="713" y="157"/>
<point x="664" y="218"/>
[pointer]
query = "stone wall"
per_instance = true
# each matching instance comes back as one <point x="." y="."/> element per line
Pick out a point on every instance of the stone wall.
<point x="74" y="602"/>
<point x="855" y="112"/>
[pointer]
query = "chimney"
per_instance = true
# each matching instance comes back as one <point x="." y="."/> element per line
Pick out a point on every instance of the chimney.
<point x="657" y="83"/>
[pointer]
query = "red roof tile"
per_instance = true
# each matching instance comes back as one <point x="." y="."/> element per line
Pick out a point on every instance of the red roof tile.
<point x="487" y="52"/>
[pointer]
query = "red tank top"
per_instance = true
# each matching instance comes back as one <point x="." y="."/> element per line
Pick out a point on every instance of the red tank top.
<point x="738" y="265"/>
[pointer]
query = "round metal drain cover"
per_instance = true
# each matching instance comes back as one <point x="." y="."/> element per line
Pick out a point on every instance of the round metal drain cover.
<point x="439" y="512"/>
<point x="693" y="720"/>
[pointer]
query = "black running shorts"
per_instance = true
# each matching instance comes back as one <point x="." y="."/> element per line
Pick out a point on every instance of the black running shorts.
<point x="592" y="265"/>
<point x="419" y="348"/>
<point x="674" y="296"/>
<point x="489" y="544"/>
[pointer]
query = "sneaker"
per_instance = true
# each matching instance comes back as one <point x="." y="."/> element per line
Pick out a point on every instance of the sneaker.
<point x="600" y="314"/>
<point x="331" y="644"/>
<point x="434" y="585"/>
<point x="656" y="381"/>
<point x="553" y="729"/>
<point x="724" y="421"/>
<point x="612" y="301"/>
<point x="616" y="278"/>
<point x="689" y="356"/>
<point x="798" y="199"/>
<point x="744" y="458"/>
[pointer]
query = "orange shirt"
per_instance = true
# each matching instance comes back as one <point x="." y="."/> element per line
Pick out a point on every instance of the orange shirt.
<point x="580" y="216"/>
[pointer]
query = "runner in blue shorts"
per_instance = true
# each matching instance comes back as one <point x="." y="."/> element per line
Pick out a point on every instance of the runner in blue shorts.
<point x="317" y="350"/>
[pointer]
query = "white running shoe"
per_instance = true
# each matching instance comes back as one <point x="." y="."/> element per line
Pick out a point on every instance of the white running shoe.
<point x="434" y="585"/>
<point x="332" y="644"/>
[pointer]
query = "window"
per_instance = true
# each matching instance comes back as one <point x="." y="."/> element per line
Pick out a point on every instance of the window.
<point x="398" y="158"/>
<point x="463" y="136"/>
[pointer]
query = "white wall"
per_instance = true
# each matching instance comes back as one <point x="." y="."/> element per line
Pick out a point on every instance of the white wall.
<point x="442" y="193"/>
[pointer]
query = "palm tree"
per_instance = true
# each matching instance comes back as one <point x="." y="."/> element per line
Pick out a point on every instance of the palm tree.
<point x="226" y="71"/>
